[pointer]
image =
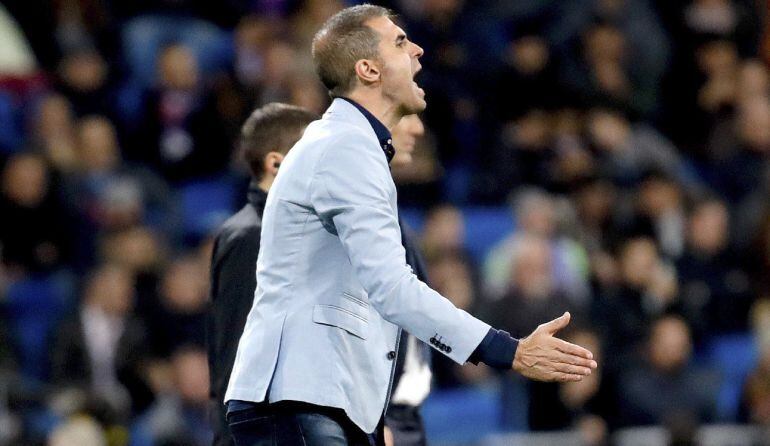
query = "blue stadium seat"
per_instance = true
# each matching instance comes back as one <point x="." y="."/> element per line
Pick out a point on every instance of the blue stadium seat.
<point x="461" y="416"/>
<point x="485" y="227"/>
<point x="734" y="356"/>
<point x="34" y="308"/>
<point x="206" y="203"/>
<point x="10" y="132"/>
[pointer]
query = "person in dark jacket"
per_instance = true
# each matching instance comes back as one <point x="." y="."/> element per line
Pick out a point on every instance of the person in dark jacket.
<point x="412" y="377"/>
<point x="266" y="137"/>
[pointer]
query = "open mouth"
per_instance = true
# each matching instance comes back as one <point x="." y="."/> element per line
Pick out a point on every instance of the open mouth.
<point x="414" y="79"/>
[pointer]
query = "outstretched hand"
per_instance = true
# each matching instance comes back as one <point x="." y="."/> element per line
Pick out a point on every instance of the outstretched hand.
<point x="543" y="357"/>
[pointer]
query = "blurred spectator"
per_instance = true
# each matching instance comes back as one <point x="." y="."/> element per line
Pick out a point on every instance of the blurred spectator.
<point x="525" y="156"/>
<point x="142" y="252"/>
<point x="54" y="132"/>
<point x="417" y="180"/>
<point x="179" y="417"/>
<point x="667" y="387"/>
<point x="180" y="317"/>
<point x="756" y="391"/>
<point x="537" y="214"/>
<point x="715" y="292"/>
<point x="658" y="213"/>
<point x="34" y="229"/>
<point x="588" y="405"/>
<point x="110" y="194"/>
<point x="625" y="152"/>
<point x="443" y="232"/>
<point x="596" y="200"/>
<point x="181" y="134"/>
<point x="531" y="297"/>
<point x="84" y="81"/>
<point x="451" y="275"/>
<point x="101" y="349"/>
<point x="528" y="77"/>
<point x="623" y="314"/>
<point x="740" y="171"/>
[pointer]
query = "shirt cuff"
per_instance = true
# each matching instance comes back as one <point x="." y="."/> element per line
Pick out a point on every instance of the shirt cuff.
<point x="497" y="350"/>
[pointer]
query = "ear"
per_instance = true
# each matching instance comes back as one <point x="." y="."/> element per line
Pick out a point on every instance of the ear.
<point x="272" y="162"/>
<point x="368" y="71"/>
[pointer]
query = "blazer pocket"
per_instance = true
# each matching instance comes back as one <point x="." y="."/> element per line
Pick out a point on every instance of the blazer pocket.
<point x="341" y="318"/>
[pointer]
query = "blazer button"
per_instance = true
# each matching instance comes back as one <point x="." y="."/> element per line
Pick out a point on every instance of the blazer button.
<point x="391" y="355"/>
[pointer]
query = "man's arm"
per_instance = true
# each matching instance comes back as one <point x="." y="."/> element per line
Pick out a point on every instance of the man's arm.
<point x="351" y="190"/>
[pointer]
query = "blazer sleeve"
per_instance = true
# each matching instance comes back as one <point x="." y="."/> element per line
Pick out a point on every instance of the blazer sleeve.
<point x="351" y="190"/>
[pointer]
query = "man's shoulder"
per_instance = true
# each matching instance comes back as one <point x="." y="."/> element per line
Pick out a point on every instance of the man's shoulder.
<point x="244" y="224"/>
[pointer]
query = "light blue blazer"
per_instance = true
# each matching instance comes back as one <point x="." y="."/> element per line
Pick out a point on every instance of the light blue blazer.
<point x="332" y="280"/>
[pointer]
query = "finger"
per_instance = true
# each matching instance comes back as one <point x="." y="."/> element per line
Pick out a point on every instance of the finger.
<point x="566" y="377"/>
<point x="574" y="360"/>
<point x="572" y="369"/>
<point x="572" y="349"/>
<point x="557" y="324"/>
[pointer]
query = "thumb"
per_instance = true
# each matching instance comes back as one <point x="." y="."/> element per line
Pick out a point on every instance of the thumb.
<point x="556" y="324"/>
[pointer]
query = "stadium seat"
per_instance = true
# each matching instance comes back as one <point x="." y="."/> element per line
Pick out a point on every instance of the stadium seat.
<point x="729" y="435"/>
<point x="206" y="204"/>
<point x="461" y="416"/>
<point x="34" y="307"/>
<point x="10" y="133"/>
<point x="533" y="439"/>
<point x="734" y="356"/>
<point x="641" y="436"/>
<point x="485" y="227"/>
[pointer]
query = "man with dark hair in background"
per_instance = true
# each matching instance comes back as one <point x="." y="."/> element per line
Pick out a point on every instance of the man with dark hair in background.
<point x="412" y="376"/>
<point x="266" y="137"/>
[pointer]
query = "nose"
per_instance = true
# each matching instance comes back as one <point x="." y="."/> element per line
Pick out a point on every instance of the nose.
<point x="418" y="51"/>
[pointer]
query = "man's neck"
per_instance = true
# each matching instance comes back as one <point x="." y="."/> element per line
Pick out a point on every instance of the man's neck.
<point x="382" y="109"/>
<point x="265" y="183"/>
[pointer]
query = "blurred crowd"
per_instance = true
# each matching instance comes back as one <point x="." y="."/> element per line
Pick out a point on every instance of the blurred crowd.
<point x="627" y="140"/>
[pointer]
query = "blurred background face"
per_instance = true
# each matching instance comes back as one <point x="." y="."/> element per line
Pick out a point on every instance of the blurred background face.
<point x="84" y="71"/>
<point x="608" y="130"/>
<point x="97" y="144"/>
<point x="191" y="375"/>
<point x="708" y="228"/>
<point x="111" y="289"/>
<point x="405" y="136"/>
<point x="576" y="394"/>
<point x="670" y="344"/>
<point x="536" y="214"/>
<point x="25" y="180"/>
<point x="444" y="229"/>
<point x="639" y="260"/>
<point x="55" y="117"/>
<point x="754" y="124"/>
<point x="529" y="54"/>
<point x="185" y="285"/>
<point x="177" y="68"/>
<point x="451" y="277"/>
<point x="137" y="249"/>
<point x="532" y="267"/>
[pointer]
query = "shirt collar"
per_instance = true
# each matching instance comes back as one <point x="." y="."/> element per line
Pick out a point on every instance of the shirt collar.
<point x="257" y="197"/>
<point x="382" y="132"/>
